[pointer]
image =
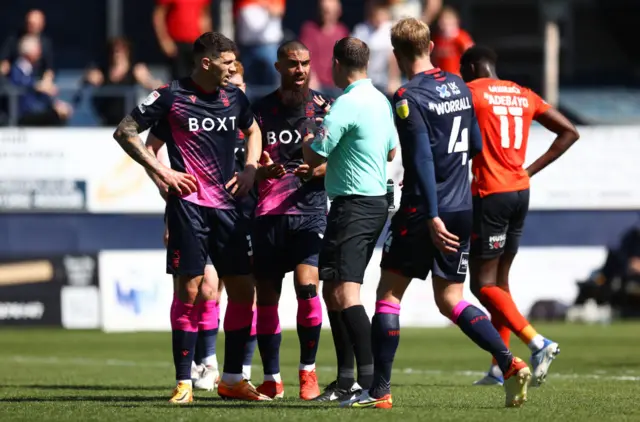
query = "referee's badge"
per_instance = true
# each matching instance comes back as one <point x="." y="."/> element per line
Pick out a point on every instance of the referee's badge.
<point x="402" y="108"/>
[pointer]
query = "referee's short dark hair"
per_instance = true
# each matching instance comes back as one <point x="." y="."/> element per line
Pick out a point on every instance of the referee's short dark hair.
<point x="213" y="44"/>
<point x="352" y="53"/>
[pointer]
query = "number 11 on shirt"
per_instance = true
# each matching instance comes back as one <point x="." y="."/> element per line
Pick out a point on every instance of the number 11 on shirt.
<point x="504" y="113"/>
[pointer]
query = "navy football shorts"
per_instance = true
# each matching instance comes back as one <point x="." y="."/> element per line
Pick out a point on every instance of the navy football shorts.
<point x="409" y="250"/>
<point x="197" y="233"/>
<point x="282" y="242"/>
<point x="498" y="221"/>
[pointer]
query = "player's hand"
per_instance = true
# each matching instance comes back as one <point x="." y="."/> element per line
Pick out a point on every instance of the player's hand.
<point x="165" y="238"/>
<point x="244" y="181"/>
<point x="444" y="241"/>
<point x="181" y="183"/>
<point x="322" y="103"/>
<point x="304" y="172"/>
<point x="269" y="169"/>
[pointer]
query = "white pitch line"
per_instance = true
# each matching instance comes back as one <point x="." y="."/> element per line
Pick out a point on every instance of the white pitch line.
<point x="54" y="360"/>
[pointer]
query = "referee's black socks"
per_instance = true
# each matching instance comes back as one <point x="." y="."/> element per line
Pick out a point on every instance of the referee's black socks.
<point x="344" y="350"/>
<point x="359" y="328"/>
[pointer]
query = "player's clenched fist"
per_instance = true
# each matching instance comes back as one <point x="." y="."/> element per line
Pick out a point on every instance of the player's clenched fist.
<point x="181" y="183"/>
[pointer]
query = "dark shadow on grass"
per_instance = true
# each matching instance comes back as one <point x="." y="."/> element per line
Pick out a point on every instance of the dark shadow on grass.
<point x="86" y="387"/>
<point x="54" y="399"/>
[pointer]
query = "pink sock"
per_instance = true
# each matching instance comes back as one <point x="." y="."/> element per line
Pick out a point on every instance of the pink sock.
<point x="238" y="316"/>
<point x="309" y="312"/>
<point x="208" y="315"/>
<point x="461" y="306"/>
<point x="268" y="320"/>
<point x="184" y="317"/>
<point x="254" y="322"/>
<point x="172" y="312"/>
<point x="386" y="307"/>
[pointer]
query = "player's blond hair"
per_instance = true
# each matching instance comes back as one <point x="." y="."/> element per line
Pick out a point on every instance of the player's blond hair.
<point x="411" y="37"/>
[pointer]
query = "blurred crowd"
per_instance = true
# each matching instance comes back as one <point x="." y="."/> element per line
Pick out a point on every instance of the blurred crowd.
<point x="27" y="57"/>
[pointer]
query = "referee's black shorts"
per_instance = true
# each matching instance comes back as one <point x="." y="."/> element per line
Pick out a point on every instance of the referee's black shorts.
<point x="354" y="224"/>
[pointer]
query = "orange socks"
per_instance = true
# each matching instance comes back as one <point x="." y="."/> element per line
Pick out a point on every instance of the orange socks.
<point x="500" y="304"/>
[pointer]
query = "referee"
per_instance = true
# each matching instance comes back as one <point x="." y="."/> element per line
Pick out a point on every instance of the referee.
<point x="356" y="139"/>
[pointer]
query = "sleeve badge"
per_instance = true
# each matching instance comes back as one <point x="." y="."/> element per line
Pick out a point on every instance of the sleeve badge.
<point x="402" y="109"/>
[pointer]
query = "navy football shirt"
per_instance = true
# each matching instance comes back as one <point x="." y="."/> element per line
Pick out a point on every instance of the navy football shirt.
<point x="200" y="131"/>
<point x="436" y="122"/>
<point x="282" y="139"/>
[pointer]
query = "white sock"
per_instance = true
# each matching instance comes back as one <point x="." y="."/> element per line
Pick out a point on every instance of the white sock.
<point x="210" y="361"/>
<point x="307" y="368"/>
<point x="231" y="378"/>
<point x="536" y="343"/>
<point x="495" y="371"/>
<point x="273" y="377"/>
<point x="246" y="372"/>
<point x="184" y="382"/>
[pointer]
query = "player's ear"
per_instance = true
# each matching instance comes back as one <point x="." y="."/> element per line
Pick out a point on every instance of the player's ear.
<point x="431" y="45"/>
<point x="277" y="66"/>
<point x="205" y="62"/>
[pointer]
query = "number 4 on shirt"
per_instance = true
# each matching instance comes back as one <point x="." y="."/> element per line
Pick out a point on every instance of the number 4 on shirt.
<point x="463" y="144"/>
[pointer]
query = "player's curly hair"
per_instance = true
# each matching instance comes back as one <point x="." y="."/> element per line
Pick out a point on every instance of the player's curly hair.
<point x="478" y="54"/>
<point x="213" y="44"/>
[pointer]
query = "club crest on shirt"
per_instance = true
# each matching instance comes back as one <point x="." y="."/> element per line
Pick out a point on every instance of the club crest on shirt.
<point x="151" y="98"/>
<point x="224" y="98"/>
<point x="402" y="109"/>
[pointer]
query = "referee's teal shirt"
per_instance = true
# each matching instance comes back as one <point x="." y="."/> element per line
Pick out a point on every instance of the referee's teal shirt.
<point x="355" y="138"/>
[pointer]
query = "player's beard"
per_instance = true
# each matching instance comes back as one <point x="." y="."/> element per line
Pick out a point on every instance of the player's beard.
<point x="293" y="95"/>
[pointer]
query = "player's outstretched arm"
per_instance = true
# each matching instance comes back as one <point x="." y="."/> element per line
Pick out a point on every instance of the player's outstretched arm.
<point x="567" y="135"/>
<point x="318" y="146"/>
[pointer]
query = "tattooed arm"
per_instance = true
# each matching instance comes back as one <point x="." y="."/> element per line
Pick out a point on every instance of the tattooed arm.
<point x="152" y="110"/>
<point x="128" y="136"/>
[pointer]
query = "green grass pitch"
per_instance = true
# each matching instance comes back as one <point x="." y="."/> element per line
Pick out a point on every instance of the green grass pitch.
<point x="91" y="376"/>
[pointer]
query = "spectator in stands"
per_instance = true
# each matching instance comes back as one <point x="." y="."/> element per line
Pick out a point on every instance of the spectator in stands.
<point x="37" y="104"/>
<point x="450" y="41"/>
<point x="320" y="36"/>
<point x="375" y="32"/>
<point x="258" y="34"/>
<point x="9" y="53"/>
<point x="426" y="10"/>
<point x="119" y="70"/>
<point x="178" y="23"/>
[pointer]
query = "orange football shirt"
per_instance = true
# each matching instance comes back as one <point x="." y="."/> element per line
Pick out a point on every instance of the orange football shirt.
<point x="448" y="51"/>
<point x="505" y="111"/>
